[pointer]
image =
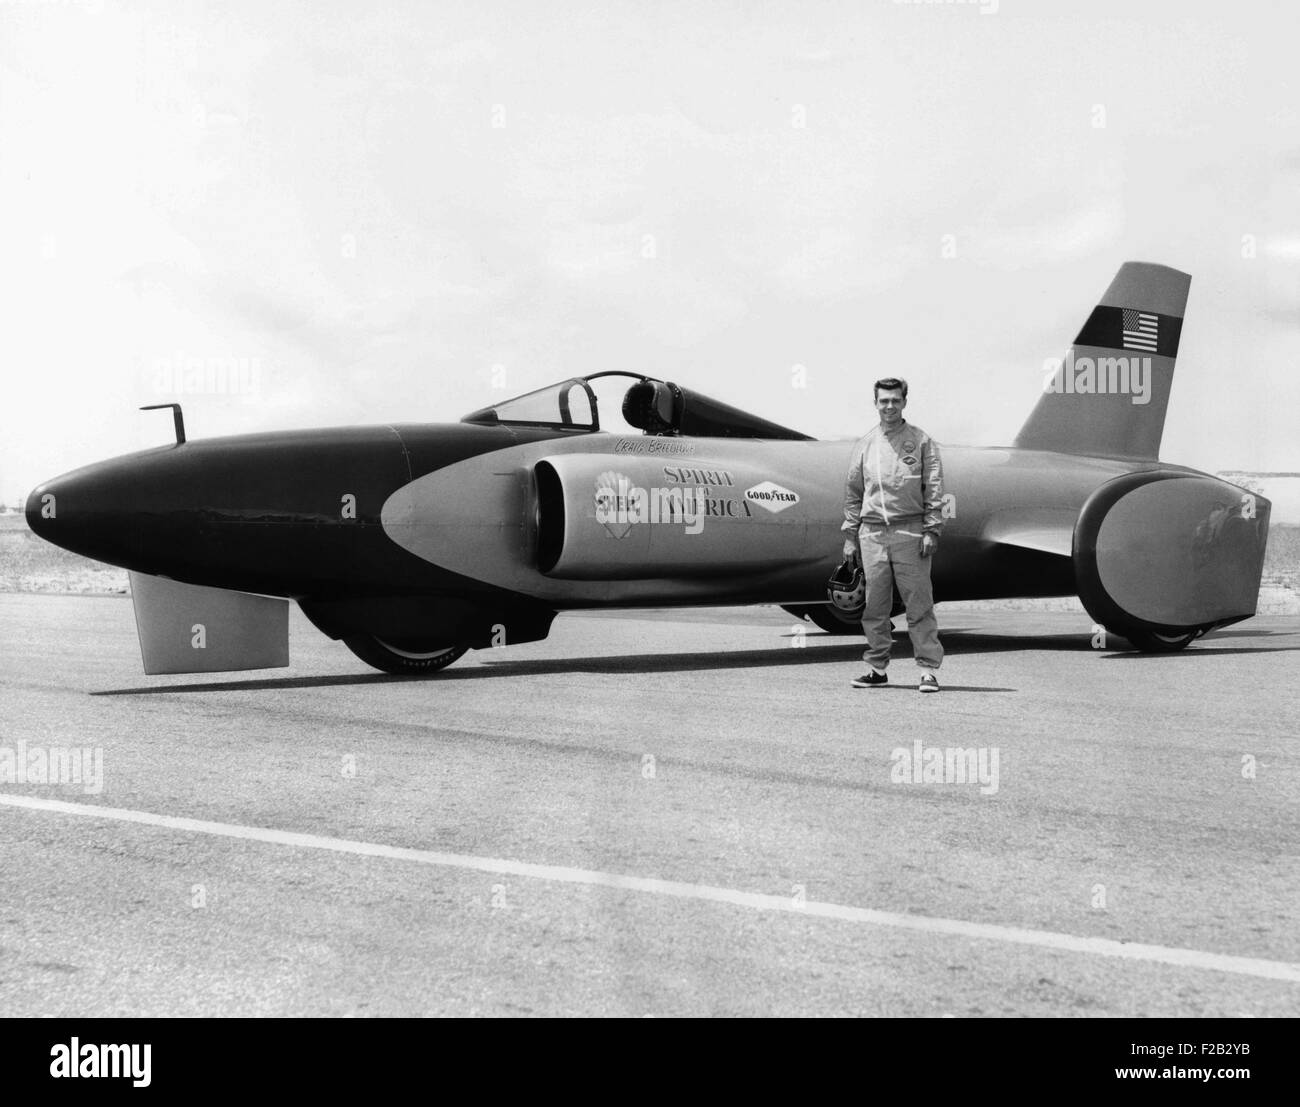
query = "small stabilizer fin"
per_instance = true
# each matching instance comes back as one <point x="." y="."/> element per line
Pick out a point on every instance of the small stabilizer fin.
<point x="186" y="628"/>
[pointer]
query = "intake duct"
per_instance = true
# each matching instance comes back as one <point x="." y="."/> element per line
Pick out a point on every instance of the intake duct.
<point x="642" y="516"/>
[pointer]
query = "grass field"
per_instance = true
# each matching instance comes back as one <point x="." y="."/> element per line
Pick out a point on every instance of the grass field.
<point x="1282" y="562"/>
<point x="30" y="564"/>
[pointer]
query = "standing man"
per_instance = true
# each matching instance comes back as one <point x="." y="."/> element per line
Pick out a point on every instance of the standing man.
<point x="893" y="500"/>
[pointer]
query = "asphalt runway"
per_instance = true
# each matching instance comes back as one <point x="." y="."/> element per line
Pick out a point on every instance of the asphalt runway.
<point x="654" y="815"/>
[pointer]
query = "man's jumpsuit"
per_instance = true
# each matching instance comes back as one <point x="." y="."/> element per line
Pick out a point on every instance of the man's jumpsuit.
<point x="894" y="493"/>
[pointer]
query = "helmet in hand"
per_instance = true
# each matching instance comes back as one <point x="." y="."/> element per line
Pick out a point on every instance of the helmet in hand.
<point x="847" y="589"/>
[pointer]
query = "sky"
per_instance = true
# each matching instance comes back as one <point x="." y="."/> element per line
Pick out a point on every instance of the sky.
<point x="359" y="213"/>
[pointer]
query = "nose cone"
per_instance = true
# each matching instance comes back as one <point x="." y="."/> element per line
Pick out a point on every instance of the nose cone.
<point x="277" y="513"/>
<point x="88" y="511"/>
<point x="40" y="512"/>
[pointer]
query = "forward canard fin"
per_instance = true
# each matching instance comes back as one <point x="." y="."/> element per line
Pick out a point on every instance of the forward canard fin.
<point x="186" y="628"/>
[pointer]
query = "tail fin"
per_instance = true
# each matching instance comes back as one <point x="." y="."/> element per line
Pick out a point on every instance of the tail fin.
<point x="1108" y="397"/>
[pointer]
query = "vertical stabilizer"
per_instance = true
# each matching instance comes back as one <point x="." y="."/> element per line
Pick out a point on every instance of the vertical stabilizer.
<point x="1109" y="395"/>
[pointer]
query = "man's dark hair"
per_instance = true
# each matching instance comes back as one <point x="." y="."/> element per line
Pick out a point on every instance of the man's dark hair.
<point x="890" y="384"/>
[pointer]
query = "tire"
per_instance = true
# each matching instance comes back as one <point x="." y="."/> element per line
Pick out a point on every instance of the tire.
<point x="1147" y="642"/>
<point x="834" y="621"/>
<point x="402" y="658"/>
<point x="827" y="617"/>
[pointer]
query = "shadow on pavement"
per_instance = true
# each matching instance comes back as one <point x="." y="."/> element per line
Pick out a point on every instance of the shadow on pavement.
<point x="1197" y="651"/>
<point x="825" y="649"/>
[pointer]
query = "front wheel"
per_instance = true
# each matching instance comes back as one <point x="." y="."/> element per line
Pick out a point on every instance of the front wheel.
<point x="1147" y="642"/>
<point x="402" y="658"/>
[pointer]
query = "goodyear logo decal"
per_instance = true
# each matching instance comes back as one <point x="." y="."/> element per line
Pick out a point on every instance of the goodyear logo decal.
<point x="771" y="496"/>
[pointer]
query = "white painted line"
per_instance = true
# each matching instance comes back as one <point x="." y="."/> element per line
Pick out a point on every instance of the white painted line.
<point x="1046" y="939"/>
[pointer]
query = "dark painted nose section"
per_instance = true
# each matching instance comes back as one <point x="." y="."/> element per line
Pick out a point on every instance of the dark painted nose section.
<point x="295" y="513"/>
<point x="253" y="513"/>
<point x="93" y="512"/>
<point x="39" y="506"/>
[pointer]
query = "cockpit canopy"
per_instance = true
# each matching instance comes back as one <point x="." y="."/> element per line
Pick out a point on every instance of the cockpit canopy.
<point x="652" y="406"/>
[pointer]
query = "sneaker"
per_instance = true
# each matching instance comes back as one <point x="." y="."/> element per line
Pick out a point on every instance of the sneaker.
<point x="871" y="679"/>
<point x="929" y="683"/>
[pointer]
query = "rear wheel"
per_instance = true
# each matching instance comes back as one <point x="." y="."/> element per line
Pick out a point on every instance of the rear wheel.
<point x="402" y="657"/>
<point x="1148" y="642"/>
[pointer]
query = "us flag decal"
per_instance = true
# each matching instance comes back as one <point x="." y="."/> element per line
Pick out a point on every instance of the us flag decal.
<point x="1115" y="328"/>
<point x="1141" y="331"/>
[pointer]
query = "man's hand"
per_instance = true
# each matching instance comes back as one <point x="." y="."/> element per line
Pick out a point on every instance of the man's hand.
<point x="929" y="543"/>
<point x="851" y="552"/>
